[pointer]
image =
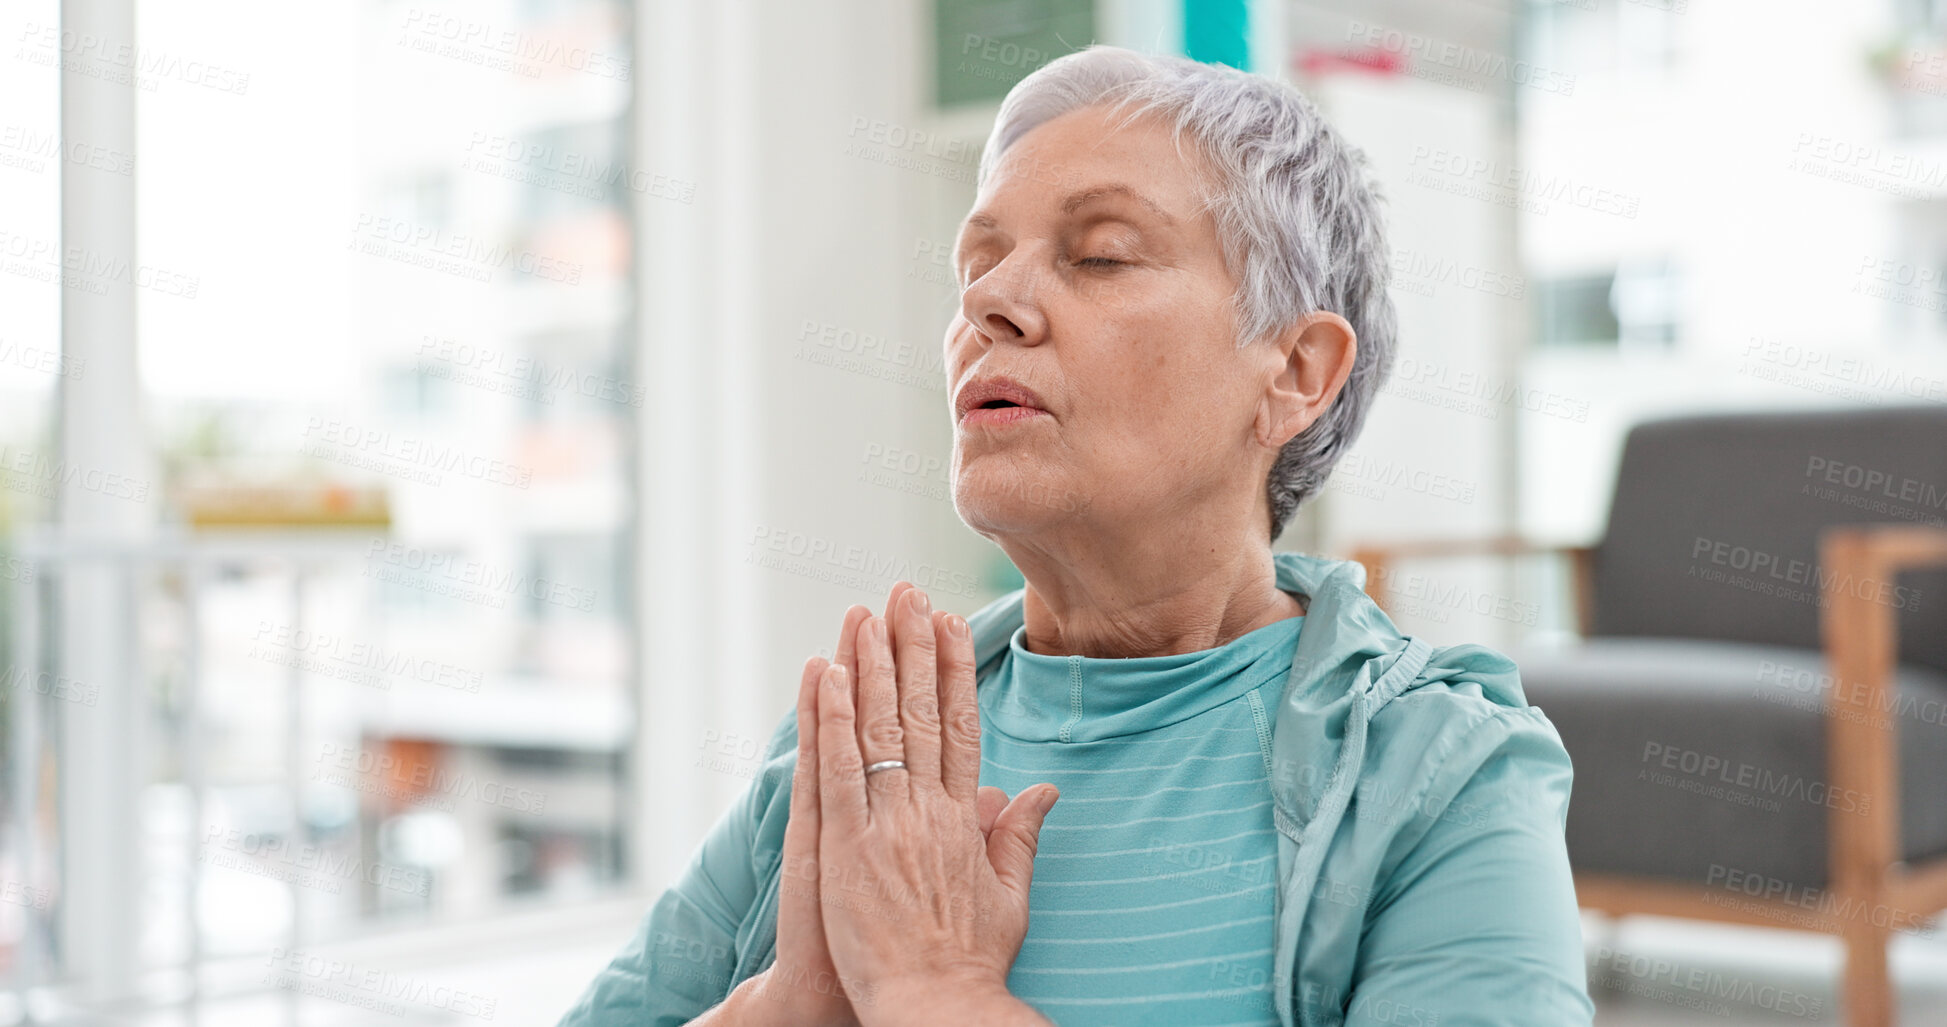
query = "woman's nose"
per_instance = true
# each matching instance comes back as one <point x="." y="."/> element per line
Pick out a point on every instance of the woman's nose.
<point x="996" y="326"/>
<point x="1002" y="305"/>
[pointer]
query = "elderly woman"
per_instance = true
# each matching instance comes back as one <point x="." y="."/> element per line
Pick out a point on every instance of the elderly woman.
<point x="1274" y="808"/>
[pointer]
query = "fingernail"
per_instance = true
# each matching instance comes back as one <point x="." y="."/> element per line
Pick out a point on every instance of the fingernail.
<point x="1048" y="800"/>
<point x="957" y="625"/>
<point x="921" y="604"/>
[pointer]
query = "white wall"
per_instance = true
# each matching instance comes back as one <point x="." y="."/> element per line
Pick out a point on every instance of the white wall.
<point x="788" y="228"/>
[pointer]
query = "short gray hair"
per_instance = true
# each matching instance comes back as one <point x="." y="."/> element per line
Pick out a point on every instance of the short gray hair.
<point x="1297" y="214"/>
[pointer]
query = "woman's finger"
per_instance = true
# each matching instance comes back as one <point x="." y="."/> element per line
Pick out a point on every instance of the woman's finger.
<point x="1017" y="835"/>
<point x="992" y="800"/>
<point x="899" y="588"/>
<point x="800" y="871"/>
<point x="919" y="696"/>
<point x="804" y="777"/>
<point x="846" y="653"/>
<point x="959" y="709"/>
<point x="841" y="784"/>
<point x="880" y="737"/>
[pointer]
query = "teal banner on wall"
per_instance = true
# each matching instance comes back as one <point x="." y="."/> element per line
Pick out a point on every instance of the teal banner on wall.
<point x="1218" y="32"/>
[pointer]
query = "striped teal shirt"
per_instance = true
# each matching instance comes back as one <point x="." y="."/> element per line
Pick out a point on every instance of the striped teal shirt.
<point x="1156" y="875"/>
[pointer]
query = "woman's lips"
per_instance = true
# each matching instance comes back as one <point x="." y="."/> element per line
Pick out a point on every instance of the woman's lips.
<point x="1001" y="417"/>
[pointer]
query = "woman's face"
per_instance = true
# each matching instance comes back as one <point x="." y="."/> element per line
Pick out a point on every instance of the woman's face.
<point x="1092" y="277"/>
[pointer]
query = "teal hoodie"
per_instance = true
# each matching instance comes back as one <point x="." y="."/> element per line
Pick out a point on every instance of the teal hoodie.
<point x="1419" y="800"/>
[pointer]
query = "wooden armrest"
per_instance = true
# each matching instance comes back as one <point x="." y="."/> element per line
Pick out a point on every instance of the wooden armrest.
<point x="1859" y="628"/>
<point x="1378" y="558"/>
<point x="1885" y="548"/>
<point x="1492" y="545"/>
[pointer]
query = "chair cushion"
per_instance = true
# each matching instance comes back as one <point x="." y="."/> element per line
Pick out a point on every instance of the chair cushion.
<point x="1697" y="760"/>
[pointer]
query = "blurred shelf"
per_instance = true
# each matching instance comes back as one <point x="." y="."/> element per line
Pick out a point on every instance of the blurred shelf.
<point x="226" y="545"/>
<point x="512" y="712"/>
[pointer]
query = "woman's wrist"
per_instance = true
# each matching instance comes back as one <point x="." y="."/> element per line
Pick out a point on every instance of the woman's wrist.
<point x="754" y="1003"/>
<point x="766" y="1000"/>
<point x="949" y="1005"/>
<point x="742" y="1008"/>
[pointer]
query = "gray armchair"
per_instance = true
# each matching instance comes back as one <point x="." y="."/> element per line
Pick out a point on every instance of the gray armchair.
<point x="1757" y="710"/>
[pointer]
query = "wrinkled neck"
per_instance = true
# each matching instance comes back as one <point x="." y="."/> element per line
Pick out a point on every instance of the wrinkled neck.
<point x="1130" y="605"/>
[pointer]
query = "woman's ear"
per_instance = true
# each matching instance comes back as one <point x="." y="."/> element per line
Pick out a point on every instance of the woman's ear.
<point x="1314" y="358"/>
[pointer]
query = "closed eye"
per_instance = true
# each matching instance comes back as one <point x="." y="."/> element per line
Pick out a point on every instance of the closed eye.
<point x="1098" y="262"/>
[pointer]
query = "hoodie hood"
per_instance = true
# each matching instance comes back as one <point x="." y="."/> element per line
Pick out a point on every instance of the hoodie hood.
<point x="1350" y="662"/>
